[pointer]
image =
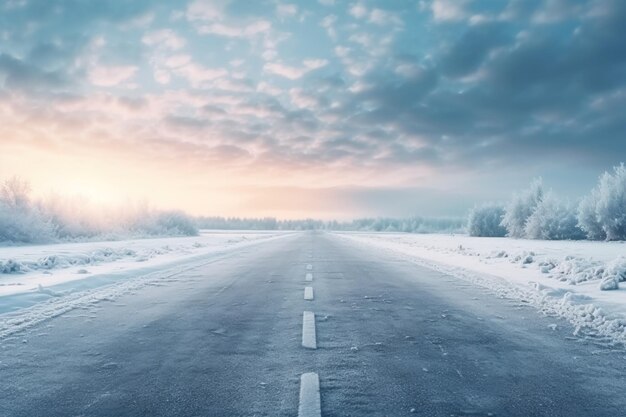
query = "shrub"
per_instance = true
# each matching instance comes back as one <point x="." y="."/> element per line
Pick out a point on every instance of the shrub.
<point x="603" y="213"/>
<point x="520" y="208"/>
<point x="168" y="223"/>
<point x="20" y="222"/>
<point x="553" y="220"/>
<point x="175" y="223"/>
<point x="77" y="218"/>
<point x="24" y="226"/>
<point x="486" y="221"/>
<point x="587" y="218"/>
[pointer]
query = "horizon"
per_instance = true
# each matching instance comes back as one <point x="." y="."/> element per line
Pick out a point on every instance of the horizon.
<point x="324" y="110"/>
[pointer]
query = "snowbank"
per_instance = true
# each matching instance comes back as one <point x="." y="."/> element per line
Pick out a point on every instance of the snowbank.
<point x="43" y="288"/>
<point x="565" y="278"/>
<point x="32" y="268"/>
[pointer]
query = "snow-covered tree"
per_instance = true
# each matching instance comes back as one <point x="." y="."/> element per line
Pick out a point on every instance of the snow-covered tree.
<point x="486" y="221"/>
<point x="15" y="193"/>
<point x="605" y="208"/>
<point x="587" y="218"/>
<point x="553" y="220"/>
<point x="520" y="208"/>
<point x="20" y="221"/>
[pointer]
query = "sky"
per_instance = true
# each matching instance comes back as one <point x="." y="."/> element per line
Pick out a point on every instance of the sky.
<point x="317" y="108"/>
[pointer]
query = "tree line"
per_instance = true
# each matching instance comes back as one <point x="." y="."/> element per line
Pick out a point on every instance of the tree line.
<point x="535" y="213"/>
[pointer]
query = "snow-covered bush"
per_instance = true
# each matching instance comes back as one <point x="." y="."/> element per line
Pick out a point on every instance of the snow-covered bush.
<point x="605" y="207"/>
<point x="19" y="220"/>
<point x="56" y="218"/>
<point x="553" y="220"/>
<point x="587" y="218"/>
<point x="486" y="221"/>
<point x="19" y="226"/>
<point x="614" y="273"/>
<point x="169" y="223"/>
<point x="75" y="216"/>
<point x="520" y="208"/>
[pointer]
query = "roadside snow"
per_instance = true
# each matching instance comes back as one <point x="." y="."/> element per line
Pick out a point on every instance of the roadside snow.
<point x="577" y="280"/>
<point x="30" y="298"/>
<point x="35" y="268"/>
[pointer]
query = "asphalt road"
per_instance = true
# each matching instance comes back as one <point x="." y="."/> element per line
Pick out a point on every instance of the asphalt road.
<point x="225" y="339"/>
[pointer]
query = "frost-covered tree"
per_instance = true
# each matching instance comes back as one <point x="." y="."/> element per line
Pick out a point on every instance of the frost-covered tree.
<point x="20" y="220"/>
<point x="587" y="218"/>
<point x="605" y="208"/>
<point x="15" y="193"/>
<point x="521" y="207"/>
<point x="176" y="223"/>
<point x="25" y="220"/>
<point x="486" y="221"/>
<point x="553" y="220"/>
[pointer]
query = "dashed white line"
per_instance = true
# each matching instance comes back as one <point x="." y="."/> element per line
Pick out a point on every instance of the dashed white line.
<point x="309" y="339"/>
<point x="310" y="402"/>
<point x="309" y="267"/>
<point x="308" y="277"/>
<point x="308" y="293"/>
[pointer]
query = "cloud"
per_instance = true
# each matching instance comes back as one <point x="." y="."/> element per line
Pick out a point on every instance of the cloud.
<point x="104" y="76"/>
<point x="294" y="73"/>
<point x="198" y="75"/>
<point x="234" y="31"/>
<point x="162" y="77"/>
<point x="471" y="49"/>
<point x="178" y="60"/>
<point x="286" y="10"/>
<point x="21" y="75"/>
<point x="453" y="86"/>
<point x="328" y="22"/>
<point x="358" y="11"/>
<point x="165" y="38"/>
<point x="203" y="10"/>
<point x="384" y="18"/>
<point x="448" y="10"/>
<point x="303" y="99"/>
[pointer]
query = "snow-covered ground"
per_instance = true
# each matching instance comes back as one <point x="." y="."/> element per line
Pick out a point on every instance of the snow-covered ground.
<point x="577" y="280"/>
<point x="44" y="268"/>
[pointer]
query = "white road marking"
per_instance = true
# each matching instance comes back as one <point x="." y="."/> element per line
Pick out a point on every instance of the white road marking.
<point x="308" y="277"/>
<point x="310" y="404"/>
<point x="308" y="293"/>
<point x="309" y="340"/>
<point x="309" y="267"/>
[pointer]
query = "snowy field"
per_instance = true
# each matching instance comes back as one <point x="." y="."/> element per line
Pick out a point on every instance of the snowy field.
<point x="45" y="280"/>
<point x="577" y="280"/>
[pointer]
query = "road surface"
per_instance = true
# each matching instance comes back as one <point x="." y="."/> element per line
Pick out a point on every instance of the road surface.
<point x="389" y="339"/>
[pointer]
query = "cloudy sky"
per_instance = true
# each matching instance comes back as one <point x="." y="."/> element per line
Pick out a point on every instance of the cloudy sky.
<point x="321" y="108"/>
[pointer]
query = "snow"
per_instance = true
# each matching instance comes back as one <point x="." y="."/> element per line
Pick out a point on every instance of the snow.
<point x="577" y="280"/>
<point x="39" y="292"/>
<point x="30" y="268"/>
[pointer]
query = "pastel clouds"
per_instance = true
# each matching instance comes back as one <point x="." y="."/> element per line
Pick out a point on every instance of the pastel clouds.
<point x="276" y="90"/>
<point x="110" y="76"/>
<point x="236" y="31"/>
<point x="292" y="72"/>
<point x="165" y="38"/>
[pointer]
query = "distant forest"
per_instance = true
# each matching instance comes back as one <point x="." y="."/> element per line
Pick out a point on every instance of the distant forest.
<point x="410" y="225"/>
